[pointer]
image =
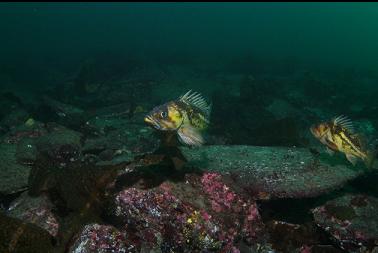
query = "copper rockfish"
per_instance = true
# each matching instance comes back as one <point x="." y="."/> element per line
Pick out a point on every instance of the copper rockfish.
<point x="338" y="135"/>
<point x="188" y="115"/>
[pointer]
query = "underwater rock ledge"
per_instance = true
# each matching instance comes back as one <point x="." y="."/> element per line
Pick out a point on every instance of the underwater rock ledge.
<point x="273" y="172"/>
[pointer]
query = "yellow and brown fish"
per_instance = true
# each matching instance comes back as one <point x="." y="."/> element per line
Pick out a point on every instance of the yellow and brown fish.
<point x="338" y="135"/>
<point x="188" y="116"/>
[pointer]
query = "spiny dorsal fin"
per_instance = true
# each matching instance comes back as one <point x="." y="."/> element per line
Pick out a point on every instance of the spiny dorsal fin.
<point x="195" y="99"/>
<point x="344" y="122"/>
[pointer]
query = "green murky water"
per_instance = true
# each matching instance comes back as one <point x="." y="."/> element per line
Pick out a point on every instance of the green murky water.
<point x="77" y="80"/>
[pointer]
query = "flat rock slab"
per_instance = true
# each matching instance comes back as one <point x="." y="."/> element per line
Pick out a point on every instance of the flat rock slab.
<point x="352" y="220"/>
<point x="274" y="172"/>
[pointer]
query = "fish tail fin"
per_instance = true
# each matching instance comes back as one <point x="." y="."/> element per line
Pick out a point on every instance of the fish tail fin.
<point x="370" y="159"/>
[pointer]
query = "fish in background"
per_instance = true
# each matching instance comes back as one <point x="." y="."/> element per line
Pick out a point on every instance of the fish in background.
<point x="339" y="135"/>
<point x="188" y="116"/>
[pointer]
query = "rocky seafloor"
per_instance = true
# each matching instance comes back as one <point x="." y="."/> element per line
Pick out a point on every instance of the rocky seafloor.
<point x="80" y="172"/>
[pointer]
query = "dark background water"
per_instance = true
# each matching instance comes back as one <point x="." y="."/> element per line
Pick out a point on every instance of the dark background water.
<point x="296" y="62"/>
<point x="40" y="36"/>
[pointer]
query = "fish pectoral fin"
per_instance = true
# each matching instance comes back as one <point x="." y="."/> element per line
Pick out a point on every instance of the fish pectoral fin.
<point x="190" y="136"/>
<point x="330" y="151"/>
<point x="370" y="159"/>
<point x="351" y="158"/>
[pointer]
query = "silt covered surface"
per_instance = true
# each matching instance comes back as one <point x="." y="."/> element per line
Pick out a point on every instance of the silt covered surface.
<point x="274" y="172"/>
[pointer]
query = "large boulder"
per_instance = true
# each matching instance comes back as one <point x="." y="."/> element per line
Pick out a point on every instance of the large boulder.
<point x="18" y="236"/>
<point x="276" y="172"/>
<point x="293" y="237"/>
<point x="351" y="220"/>
<point x="197" y="213"/>
<point x="162" y="221"/>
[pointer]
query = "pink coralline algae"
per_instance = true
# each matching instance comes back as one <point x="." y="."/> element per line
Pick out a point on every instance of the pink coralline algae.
<point x="252" y="222"/>
<point x="43" y="218"/>
<point x="157" y="216"/>
<point x="198" y="214"/>
<point x="221" y="196"/>
<point x="101" y="239"/>
<point x="161" y="220"/>
<point x="224" y="201"/>
<point x="37" y="211"/>
<point x="155" y="205"/>
<point x="253" y="213"/>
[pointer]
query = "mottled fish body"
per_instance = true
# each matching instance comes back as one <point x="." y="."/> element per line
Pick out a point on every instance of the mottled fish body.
<point x="189" y="116"/>
<point x="338" y="136"/>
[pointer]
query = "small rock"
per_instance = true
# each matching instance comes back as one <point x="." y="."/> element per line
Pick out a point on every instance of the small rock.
<point x="37" y="211"/>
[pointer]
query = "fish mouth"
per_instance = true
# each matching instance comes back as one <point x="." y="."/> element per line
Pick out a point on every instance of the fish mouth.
<point x="151" y="121"/>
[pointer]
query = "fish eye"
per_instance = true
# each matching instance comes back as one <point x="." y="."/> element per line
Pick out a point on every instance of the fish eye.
<point x="163" y="114"/>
